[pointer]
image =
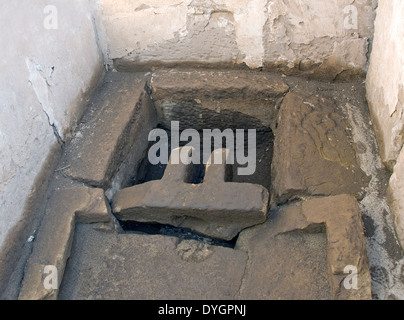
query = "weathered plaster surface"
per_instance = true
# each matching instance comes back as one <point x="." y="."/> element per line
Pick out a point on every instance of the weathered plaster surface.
<point x="294" y="34"/>
<point x="385" y="94"/>
<point x="385" y="79"/>
<point x="44" y="76"/>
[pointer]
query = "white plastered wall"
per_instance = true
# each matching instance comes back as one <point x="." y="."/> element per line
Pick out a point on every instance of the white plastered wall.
<point x="385" y="94"/>
<point x="49" y="60"/>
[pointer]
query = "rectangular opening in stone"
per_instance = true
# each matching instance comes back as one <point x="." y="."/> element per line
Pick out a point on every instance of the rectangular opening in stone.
<point x="263" y="148"/>
<point x="239" y="118"/>
<point x="261" y="175"/>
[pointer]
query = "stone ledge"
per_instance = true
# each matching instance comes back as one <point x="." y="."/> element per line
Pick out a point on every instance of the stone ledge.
<point x="115" y="128"/>
<point x="54" y="237"/>
<point x="136" y="266"/>
<point x="346" y="246"/>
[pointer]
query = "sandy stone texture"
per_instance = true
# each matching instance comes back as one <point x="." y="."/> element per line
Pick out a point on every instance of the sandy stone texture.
<point x="151" y="267"/>
<point x="288" y="251"/>
<point x="313" y="154"/>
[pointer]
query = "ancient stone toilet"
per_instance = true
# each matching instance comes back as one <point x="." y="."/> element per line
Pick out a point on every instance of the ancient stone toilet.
<point x="100" y="179"/>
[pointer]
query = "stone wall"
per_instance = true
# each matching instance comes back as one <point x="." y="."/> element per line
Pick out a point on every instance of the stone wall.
<point x="50" y="61"/>
<point x="385" y="94"/>
<point x="325" y="39"/>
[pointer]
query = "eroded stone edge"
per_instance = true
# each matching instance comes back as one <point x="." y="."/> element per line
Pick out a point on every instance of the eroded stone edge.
<point x="349" y="251"/>
<point x="55" y="235"/>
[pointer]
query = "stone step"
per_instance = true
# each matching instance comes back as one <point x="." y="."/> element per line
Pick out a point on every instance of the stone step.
<point x="214" y="208"/>
<point x="112" y="138"/>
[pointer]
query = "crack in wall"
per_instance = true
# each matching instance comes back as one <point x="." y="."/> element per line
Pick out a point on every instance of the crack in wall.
<point x="54" y="128"/>
<point x="41" y="86"/>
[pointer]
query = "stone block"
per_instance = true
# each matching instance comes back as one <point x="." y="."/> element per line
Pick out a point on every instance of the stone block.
<point x="149" y="267"/>
<point x="214" y="208"/>
<point x="313" y="154"/>
<point x="113" y="134"/>
<point x="294" y="265"/>
<point x="54" y="237"/>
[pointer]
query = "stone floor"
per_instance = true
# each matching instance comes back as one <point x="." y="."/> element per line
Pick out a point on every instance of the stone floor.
<point x="327" y="209"/>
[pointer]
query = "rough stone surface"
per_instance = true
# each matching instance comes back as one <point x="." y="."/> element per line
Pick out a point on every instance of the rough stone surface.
<point x="312" y="38"/>
<point x="308" y="37"/>
<point x="290" y="266"/>
<point x="137" y="267"/>
<point x="385" y="80"/>
<point x="114" y="130"/>
<point x="306" y="248"/>
<point x="384" y="252"/>
<point x="54" y="237"/>
<point x="396" y="197"/>
<point x="346" y="246"/>
<point x="312" y="151"/>
<point x="214" y="208"/>
<point x="202" y="99"/>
